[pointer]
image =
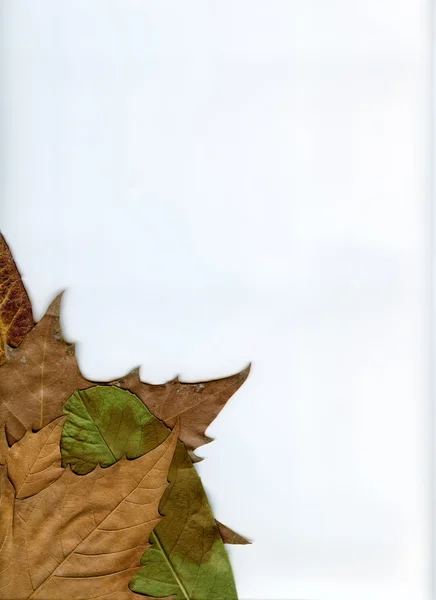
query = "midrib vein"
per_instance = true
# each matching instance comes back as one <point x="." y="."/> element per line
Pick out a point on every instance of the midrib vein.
<point x="154" y="538"/>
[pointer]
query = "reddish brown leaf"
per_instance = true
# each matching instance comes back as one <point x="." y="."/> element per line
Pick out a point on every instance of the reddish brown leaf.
<point x="16" y="318"/>
<point x="195" y="404"/>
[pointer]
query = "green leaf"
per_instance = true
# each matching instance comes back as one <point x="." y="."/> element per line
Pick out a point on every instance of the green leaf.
<point x="105" y="423"/>
<point x="187" y="558"/>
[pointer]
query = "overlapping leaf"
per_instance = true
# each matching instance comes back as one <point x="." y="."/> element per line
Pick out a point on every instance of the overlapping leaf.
<point x="103" y="425"/>
<point x="43" y="373"/>
<point x="65" y="535"/>
<point x="82" y="537"/>
<point x="187" y="558"/>
<point x="16" y="318"/>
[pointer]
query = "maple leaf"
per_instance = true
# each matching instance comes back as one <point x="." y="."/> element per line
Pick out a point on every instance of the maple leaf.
<point x="104" y="423"/>
<point x="195" y="405"/>
<point x="82" y="537"/>
<point x="16" y="318"/>
<point x="38" y="377"/>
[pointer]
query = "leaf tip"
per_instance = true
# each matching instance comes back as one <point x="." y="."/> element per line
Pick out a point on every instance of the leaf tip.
<point x="54" y="309"/>
<point x="195" y="459"/>
<point x="245" y="372"/>
<point x="135" y="372"/>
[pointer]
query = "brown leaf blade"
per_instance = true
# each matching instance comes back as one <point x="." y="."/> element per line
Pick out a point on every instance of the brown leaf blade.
<point x="196" y="405"/>
<point x="16" y="318"/>
<point x="35" y="461"/>
<point x="38" y="377"/>
<point x="83" y="536"/>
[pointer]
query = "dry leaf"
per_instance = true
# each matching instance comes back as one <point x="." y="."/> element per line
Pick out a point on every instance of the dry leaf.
<point x="229" y="536"/>
<point x="35" y="461"/>
<point x="38" y="377"/>
<point x="104" y="423"/>
<point x="16" y="318"/>
<point x="195" y="404"/>
<point x="82" y="537"/>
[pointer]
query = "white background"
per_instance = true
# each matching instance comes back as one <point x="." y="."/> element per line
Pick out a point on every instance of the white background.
<point x="222" y="182"/>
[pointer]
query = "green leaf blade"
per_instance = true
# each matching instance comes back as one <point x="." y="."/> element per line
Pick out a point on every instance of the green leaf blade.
<point x="103" y="424"/>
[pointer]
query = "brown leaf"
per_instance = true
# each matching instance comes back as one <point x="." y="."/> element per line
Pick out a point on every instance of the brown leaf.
<point x="83" y="536"/>
<point x="229" y="536"/>
<point x="38" y="377"/>
<point x="35" y="461"/>
<point x="16" y="318"/>
<point x="195" y="404"/>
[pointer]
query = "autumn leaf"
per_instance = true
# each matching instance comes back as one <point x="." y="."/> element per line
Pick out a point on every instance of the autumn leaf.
<point x="16" y="318"/>
<point x="196" y="405"/>
<point x="105" y="422"/>
<point x="35" y="461"/>
<point x="82" y="537"/>
<point x="38" y="377"/>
